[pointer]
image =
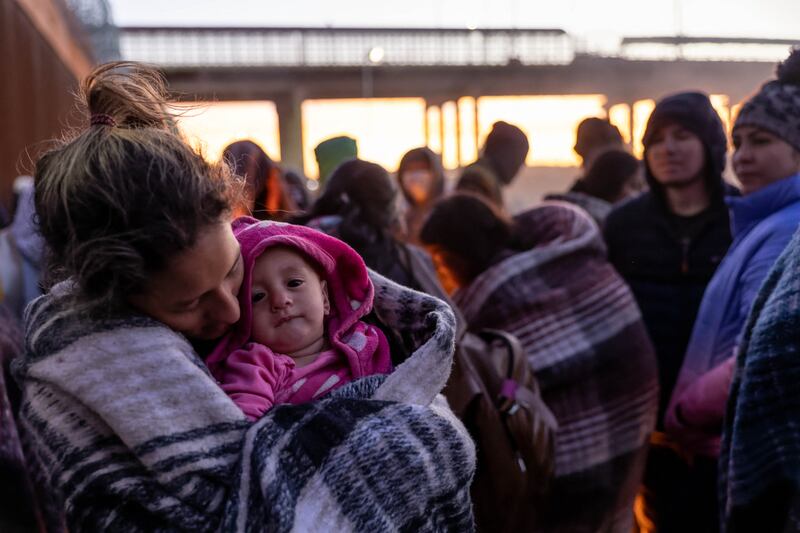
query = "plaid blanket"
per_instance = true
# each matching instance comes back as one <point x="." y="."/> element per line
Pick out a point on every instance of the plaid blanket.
<point x="759" y="465"/>
<point x="583" y="336"/>
<point x="135" y="435"/>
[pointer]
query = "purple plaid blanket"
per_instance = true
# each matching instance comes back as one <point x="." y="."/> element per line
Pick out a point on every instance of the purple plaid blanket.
<point x="584" y="337"/>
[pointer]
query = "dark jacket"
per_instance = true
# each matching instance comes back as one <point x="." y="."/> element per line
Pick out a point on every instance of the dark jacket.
<point x="666" y="259"/>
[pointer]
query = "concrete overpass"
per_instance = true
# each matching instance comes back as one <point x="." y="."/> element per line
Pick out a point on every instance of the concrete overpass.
<point x="289" y="65"/>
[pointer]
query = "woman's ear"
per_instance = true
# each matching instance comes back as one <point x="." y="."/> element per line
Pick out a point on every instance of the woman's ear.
<point x="326" y="303"/>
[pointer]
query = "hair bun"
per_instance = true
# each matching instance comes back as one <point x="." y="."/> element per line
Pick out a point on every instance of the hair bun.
<point x="788" y="71"/>
<point x="129" y="94"/>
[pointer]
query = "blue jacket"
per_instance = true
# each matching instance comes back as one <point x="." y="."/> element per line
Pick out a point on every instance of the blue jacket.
<point x="762" y="224"/>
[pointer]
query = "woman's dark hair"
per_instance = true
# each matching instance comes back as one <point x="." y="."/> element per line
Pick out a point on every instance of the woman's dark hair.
<point x="788" y="70"/>
<point x="266" y="191"/>
<point x="593" y="133"/>
<point x="506" y="148"/>
<point x="609" y="174"/>
<point x="119" y="198"/>
<point x="364" y="195"/>
<point x="475" y="244"/>
<point x="297" y="189"/>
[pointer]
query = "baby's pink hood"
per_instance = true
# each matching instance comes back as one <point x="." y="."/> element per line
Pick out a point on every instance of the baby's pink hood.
<point x="350" y="290"/>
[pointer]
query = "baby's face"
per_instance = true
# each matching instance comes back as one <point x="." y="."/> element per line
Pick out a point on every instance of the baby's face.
<point x="290" y="302"/>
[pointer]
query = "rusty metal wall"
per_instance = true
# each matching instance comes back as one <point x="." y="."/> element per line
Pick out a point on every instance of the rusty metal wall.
<point x="36" y="95"/>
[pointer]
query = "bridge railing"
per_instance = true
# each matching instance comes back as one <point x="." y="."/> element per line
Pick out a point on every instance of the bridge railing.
<point x="305" y="47"/>
<point x="356" y="47"/>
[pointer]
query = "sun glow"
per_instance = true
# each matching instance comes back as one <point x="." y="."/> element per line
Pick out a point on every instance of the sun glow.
<point x="386" y="128"/>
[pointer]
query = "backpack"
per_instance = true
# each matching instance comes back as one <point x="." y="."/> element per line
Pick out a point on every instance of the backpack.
<point x="495" y="394"/>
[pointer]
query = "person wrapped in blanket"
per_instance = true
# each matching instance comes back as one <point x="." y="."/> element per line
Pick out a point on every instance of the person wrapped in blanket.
<point x="119" y="411"/>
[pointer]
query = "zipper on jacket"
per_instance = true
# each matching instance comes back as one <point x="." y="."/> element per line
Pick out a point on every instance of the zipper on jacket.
<point x="685" y="242"/>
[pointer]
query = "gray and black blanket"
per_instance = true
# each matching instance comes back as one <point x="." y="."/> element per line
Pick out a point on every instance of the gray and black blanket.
<point x="136" y="436"/>
<point x="759" y="464"/>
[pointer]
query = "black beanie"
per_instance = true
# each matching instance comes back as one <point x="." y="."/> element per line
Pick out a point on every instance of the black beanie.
<point x="693" y="111"/>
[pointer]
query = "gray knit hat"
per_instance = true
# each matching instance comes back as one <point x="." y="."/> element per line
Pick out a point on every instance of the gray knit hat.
<point x="776" y="106"/>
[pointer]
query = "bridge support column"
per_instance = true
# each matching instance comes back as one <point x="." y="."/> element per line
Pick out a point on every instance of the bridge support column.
<point x="459" y="157"/>
<point x="290" y="129"/>
<point x="631" y="125"/>
<point x="477" y="127"/>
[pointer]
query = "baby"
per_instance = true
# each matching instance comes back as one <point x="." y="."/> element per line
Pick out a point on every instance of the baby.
<point x="300" y="335"/>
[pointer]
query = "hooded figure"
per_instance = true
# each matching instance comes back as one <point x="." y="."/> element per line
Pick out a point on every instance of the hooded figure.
<point x="504" y="152"/>
<point x="421" y="179"/>
<point x="254" y="375"/>
<point x="668" y="255"/>
<point x="668" y="259"/>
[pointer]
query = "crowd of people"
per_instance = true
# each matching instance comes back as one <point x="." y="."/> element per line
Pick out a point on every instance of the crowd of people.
<point x="215" y="346"/>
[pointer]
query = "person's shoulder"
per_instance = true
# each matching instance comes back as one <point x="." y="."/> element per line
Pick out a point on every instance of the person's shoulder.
<point x="57" y="315"/>
<point x="631" y="211"/>
<point x="640" y="202"/>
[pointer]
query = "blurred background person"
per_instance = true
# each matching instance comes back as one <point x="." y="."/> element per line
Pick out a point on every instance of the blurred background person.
<point x="613" y="177"/>
<point x="331" y="153"/>
<point x="21" y="251"/>
<point x="503" y="154"/>
<point x="421" y="178"/>
<point x="593" y="137"/>
<point x="298" y="188"/>
<point x="360" y="206"/>
<point x="22" y="507"/>
<point x="265" y="195"/>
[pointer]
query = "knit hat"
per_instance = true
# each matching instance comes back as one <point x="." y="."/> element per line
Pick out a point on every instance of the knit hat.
<point x="506" y="147"/>
<point x="693" y="111"/>
<point x="332" y="152"/>
<point x="776" y="106"/>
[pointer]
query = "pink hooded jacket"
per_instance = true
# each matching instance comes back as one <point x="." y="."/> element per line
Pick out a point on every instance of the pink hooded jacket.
<point x="257" y="378"/>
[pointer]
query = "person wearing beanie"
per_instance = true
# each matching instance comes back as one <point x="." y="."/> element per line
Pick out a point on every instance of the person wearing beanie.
<point x="331" y="153"/>
<point x="759" y="460"/>
<point x="667" y="243"/>
<point x="504" y="152"/>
